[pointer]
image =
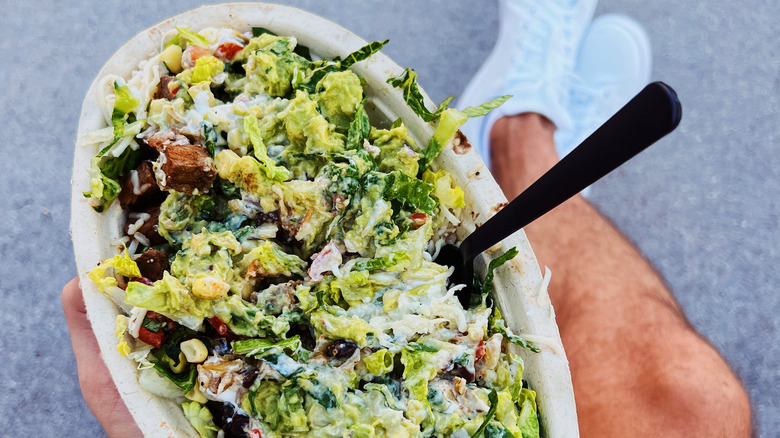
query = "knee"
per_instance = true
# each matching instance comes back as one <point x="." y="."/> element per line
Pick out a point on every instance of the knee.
<point x="702" y="396"/>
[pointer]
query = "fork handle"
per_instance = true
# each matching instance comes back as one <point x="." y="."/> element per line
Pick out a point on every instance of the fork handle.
<point x="645" y="119"/>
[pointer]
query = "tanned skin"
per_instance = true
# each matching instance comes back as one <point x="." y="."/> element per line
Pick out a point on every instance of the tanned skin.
<point x="639" y="368"/>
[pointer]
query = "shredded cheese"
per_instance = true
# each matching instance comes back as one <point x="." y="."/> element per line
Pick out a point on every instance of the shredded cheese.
<point x="142" y="218"/>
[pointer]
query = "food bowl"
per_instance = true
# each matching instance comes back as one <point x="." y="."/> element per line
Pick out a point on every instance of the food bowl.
<point x="520" y="290"/>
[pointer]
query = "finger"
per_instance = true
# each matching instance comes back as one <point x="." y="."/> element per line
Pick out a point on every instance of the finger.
<point x="96" y="384"/>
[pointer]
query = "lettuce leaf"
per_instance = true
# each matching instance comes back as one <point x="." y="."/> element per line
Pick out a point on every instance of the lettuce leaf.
<point x="362" y="54"/>
<point x="379" y="362"/>
<point x="487" y="285"/>
<point x="280" y="406"/>
<point x="185" y="381"/>
<point x="125" y="102"/>
<point x="191" y="38"/>
<point x="122" y="263"/>
<point x="318" y="69"/>
<point x="170" y="298"/>
<point x="105" y="170"/>
<point x="270" y="168"/>
<point x="201" y="419"/>
<point x="103" y="189"/>
<point x="306" y="126"/>
<point x="385" y="262"/>
<point x="206" y="67"/>
<point x="493" y="398"/>
<point x="420" y="367"/>
<point x="529" y="420"/>
<point x="481" y="110"/>
<point x="352" y="328"/>
<point x="246" y="319"/>
<point x="359" y="129"/>
<point x="268" y="259"/>
<point x="445" y="190"/>
<point x="358" y="287"/>
<point x="450" y="121"/>
<point x="259" y="347"/>
<point x="496" y="325"/>
<point x="299" y="50"/>
<point x="409" y="192"/>
<point x="407" y="82"/>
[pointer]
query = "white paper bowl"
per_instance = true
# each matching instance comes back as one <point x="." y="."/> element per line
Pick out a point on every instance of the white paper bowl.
<point x="526" y="308"/>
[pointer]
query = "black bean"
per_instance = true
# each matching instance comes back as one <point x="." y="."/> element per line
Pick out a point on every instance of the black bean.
<point x="461" y="371"/>
<point x="341" y="349"/>
<point x="228" y="419"/>
<point x="273" y="217"/>
<point x="222" y="347"/>
<point x="250" y="374"/>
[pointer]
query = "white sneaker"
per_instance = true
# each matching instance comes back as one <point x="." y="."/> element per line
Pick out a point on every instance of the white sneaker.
<point x="533" y="60"/>
<point x="613" y="65"/>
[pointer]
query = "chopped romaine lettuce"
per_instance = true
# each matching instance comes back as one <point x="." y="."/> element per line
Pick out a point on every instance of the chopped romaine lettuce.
<point x="319" y="69"/>
<point x="529" y="420"/>
<point x="449" y="119"/>
<point x="201" y="419"/>
<point x="259" y="347"/>
<point x="407" y="82"/>
<point x="270" y="168"/>
<point x="122" y="263"/>
<point x="409" y="192"/>
<point x="497" y="326"/>
<point x="184" y="380"/>
<point x="170" y="298"/>
<point x="487" y="285"/>
<point x="448" y="194"/>
<point x="379" y="362"/>
<point x="493" y="397"/>
<point x="206" y="68"/>
<point x="359" y="128"/>
<point x="353" y="328"/>
<point x="190" y="38"/>
<point x="246" y="319"/>
<point x="281" y="407"/>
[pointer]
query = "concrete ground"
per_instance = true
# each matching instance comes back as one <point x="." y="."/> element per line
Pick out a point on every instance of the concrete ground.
<point x="702" y="204"/>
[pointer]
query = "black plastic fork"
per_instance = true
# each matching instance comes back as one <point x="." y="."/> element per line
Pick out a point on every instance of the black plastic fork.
<point x="645" y="119"/>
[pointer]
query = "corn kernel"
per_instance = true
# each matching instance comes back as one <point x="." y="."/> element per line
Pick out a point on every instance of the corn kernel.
<point x="210" y="288"/>
<point x="194" y="350"/>
<point x="171" y="57"/>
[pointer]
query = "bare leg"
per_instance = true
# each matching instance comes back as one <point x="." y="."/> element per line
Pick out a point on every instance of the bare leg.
<point x="638" y="367"/>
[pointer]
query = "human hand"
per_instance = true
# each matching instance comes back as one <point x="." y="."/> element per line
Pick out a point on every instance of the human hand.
<point x="97" y="387"/>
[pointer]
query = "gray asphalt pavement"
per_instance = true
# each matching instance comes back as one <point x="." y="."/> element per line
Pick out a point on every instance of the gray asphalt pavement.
<point x="702" y="204"/>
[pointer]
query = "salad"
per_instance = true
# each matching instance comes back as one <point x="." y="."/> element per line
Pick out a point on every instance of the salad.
<point x="276" y="268"/>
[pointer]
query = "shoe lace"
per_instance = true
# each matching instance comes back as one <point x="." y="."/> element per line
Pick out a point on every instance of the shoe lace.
<point x="584" y="101"/>
<point x="542" y="59"/>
